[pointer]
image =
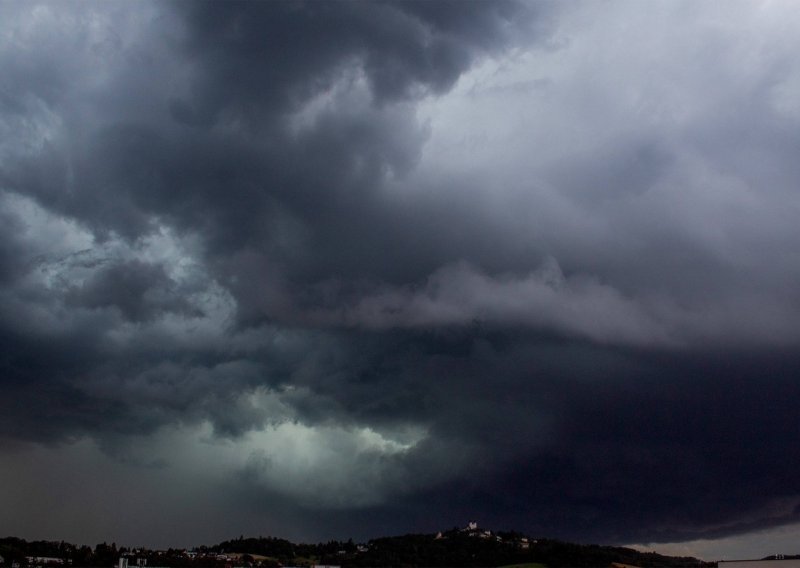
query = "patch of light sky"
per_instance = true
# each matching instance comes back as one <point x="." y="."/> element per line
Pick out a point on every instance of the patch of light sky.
<point x="64" y="254"/>
<point x="329" y="466"/>
<point x="533" y="106"/>
<point x="750" y="546"/>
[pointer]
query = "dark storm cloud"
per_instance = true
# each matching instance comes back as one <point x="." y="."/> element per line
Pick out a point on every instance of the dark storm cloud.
<point x="278" y="55"/>
<point x="575" y="442"/>
<point x="248" y="226"/>
<point x="277" y="207"/>
<point x="244" y="176"/>
<point x="678" y="448"/>
<point x="138" y="290"/>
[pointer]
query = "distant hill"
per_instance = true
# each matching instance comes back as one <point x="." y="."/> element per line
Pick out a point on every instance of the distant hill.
<point x="470" y="548"/>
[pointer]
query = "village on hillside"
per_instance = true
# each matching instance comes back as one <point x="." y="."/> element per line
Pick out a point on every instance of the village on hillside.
<point x="468" y="546"/>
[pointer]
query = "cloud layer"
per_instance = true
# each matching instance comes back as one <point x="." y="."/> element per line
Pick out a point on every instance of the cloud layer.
<point x="354" y="268"/>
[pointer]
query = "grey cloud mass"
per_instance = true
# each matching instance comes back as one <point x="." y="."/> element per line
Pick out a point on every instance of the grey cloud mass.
<point x="339" y="269"/>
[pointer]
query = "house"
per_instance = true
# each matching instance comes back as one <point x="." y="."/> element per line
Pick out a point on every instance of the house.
<point x="44" y="560"/>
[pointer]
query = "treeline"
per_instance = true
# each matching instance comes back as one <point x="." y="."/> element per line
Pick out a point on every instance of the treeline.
<point x="555" y="553"/>
<point x="281" y="552"/>
<point x="468" y="549"/>
<point x="18" y="551"/>
<point x="453" y="548"/>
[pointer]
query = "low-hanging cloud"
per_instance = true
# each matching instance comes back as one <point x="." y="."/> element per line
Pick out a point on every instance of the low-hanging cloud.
<point x="460" y="295"/>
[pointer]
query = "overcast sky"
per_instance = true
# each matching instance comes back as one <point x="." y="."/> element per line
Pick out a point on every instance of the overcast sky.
<point x="329" y="270"/>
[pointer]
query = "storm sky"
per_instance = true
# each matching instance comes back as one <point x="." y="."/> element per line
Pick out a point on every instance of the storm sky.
<point x="348" y="269"/>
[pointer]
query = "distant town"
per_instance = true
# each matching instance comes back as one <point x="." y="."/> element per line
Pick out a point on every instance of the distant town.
<point x="468" y="546"/>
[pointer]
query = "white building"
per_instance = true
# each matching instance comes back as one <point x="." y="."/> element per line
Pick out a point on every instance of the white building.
<point x="42" y="560"/>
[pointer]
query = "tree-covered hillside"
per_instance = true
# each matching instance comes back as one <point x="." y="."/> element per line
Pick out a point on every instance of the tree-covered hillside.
<point x="457" y="547"/>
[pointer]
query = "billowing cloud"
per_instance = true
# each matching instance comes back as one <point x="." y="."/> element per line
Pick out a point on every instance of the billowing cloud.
<point x="457" y="295"/>
<point x="354" y="268"/>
